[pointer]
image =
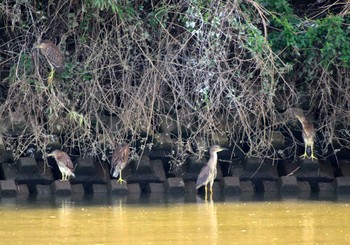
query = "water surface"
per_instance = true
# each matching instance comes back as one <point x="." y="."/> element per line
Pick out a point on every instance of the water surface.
<point x="121" y="221"/>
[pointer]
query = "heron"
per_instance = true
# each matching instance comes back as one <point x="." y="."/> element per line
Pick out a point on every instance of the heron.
<point x="64" y="163"/>
<point x="208" y="173"/>
<point x="308" y="134"/>
<point x="119" y="160"/>
<point x="53" y="56"/>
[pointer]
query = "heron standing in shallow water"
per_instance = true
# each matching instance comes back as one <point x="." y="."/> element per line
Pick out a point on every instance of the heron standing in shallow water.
<point x="309" y="134"/>
<point x="54" y="56"/>
<point x="208" y="173"/>
<point x="64" y="163"/>
<point x="119" y="160"/>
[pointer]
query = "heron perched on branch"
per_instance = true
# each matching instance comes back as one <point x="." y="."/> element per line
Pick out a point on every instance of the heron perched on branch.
<point x="119" y="160"/>
<point x="53" y="55"/>
<point x="208" y="173"/>
<point x="309" y="134"/>
<point x="64" y="163"/>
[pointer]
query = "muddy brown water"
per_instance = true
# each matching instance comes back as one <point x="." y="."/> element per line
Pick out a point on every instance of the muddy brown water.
<point x="160" y="221"/>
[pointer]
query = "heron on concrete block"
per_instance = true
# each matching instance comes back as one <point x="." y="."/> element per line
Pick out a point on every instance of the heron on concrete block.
<point x="64" y="163"/>
<point x="119" y="160"/>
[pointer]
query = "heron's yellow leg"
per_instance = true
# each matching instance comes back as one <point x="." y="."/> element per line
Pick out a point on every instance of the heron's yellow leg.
<point x="305" y="153"/>
<point x="62" y="177"/>
<point x="206" y="190"/>
<point x="312" y="153"/>
<point x="211" y="192"/>
<point x="50" y="78"/>
<point x="120" y="180"/>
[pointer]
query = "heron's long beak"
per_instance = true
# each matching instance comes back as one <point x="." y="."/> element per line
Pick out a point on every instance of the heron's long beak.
<point x="50" y="155"/>
<point x="38" y="46"/>
<point x="223" y="149"/>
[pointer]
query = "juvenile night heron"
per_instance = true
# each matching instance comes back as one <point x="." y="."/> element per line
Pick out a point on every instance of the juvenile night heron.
<point x="64" y="163"/>
<point x="309" y="134"/>
<point x="119" y="160"/>
<point x="208" y="173"/>
<point x="54" y="56"/>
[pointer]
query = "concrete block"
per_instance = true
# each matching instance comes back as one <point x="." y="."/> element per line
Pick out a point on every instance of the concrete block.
<point x="156" y="188"/>
<point x="77" y="189"/>
<point x="309" y="165"/>
<point x="85" y="166"/>
<point x="288" y="184"/>
<point x="146" y="172"/>
<point x="270" y="186"/>
<point x="8" y="188"/>
<point x="163" y="141"/>
<point x="43" y="189"/>
<point x="158" y="169"/>
<point x="344" y="166"/>
<point x="23" y="190"/>
<point x="326" y="187"/>
<point x="278" y="140"/>
<point x="252" y="164"/>
<point x="231" y="185"/>
<point x="134" y="188"/>
<point x="61" y="188"/>
<point x="304" y="186"/>
<point x="100" y="188"/>
<point x="144" y="166"/>
<point x="342" y="185"/>
<point x="117" y="188"/>
<point x="257" y="170"/>
<point x="41" y="174"/>
<point x="167" y="124"/>
<point x="87" y="171"/>
<point x="175" y="185"/>
<point x="247" y="186"/>
<point x="27" y="165"/>
<point x="326" y="168"/>
<point x="190" y="187"/>
<point x="307" y="170"/>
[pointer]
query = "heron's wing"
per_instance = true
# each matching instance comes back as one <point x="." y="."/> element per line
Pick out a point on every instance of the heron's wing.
<point x="120" y="157"/>
<point x="54" y="55"/>
<point x="203" y="176"/>
<point x="309" y="130"/>
<point x="65" y="159"/>
<point x="70" y="164"/>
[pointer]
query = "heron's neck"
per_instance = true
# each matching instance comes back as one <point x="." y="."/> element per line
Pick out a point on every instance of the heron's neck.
<point x="214" y="157"/>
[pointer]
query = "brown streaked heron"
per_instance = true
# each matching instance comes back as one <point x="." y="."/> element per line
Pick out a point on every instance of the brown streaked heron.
<point x="64" y="163"/>
<point x="208" y="173"/>
<point x="53" y="56"/>
<point x="308" y="133"/>
<point x="119" y="160"/>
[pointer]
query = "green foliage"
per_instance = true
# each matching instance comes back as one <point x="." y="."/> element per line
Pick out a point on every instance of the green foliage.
<point x="124" y="9"/>
<point x="23" y="68"/>
<point x="323" y="41"/>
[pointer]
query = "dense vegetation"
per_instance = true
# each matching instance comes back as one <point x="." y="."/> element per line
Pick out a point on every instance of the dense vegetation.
<point x="217" y="70"/>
